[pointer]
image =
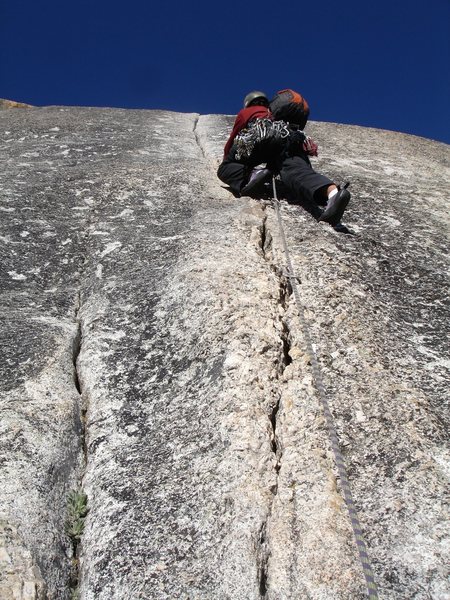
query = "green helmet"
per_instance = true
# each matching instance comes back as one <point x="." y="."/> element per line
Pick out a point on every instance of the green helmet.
<point x="253" y="96"/>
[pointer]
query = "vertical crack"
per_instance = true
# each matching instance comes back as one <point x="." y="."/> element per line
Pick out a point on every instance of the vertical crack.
<point x="284" y="294"/>
<point x="285" y="339"/>
<point x="265" y="242"/>
<point x="77" y="500"/>
<point x="77" y="344"/>
<point x="264" y="563"/>
<point x="197" y="137"/>
<point x="273" y="420"/>
<point x="75" y="353"/>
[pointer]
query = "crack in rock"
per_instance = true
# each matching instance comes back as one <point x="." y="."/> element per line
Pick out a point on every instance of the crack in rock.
<point x="77" y="347"/>
<point x="76" y="350"/>
<point x="197" y="137"/>
<point x="75" y="353"/>
<point x="285" y="292"/>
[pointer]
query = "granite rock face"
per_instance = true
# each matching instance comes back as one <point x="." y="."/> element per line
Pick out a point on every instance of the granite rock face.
<point x="152" y="356"/>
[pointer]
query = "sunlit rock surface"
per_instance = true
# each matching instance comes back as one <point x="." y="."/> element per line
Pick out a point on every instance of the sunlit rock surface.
<point x="6" y="104"/>
<point x="152" y="355"/>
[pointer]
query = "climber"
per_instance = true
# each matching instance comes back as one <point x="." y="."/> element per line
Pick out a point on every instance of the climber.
<point x="237" y="171"/>
<point x="257" y="138"/>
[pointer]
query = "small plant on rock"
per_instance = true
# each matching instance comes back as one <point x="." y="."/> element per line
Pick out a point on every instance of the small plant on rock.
<point x="76" y="514"/>
<point x="77" y="510"/>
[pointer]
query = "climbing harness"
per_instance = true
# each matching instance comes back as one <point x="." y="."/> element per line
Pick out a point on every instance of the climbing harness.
<point x="362" y="550"/>
<point x="258" y="131"/>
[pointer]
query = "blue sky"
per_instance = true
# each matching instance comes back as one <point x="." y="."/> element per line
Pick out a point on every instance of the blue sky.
<point x="381" y="64"/>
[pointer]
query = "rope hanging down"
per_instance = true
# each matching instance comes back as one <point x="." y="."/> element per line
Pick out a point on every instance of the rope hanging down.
<point x="362" y="550"/>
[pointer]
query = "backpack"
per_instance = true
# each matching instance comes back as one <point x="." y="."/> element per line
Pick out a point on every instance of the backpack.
<point x="290" y="106"/>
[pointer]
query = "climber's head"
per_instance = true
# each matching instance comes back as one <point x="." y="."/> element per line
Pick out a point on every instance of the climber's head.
<point x="256" y="98"/>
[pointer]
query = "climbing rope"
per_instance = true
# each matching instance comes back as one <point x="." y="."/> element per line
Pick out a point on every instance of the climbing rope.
<point x="362" y="550"/>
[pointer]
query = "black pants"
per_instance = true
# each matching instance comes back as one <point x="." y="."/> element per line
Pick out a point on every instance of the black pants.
<point x="300" y="178"/>
<point x="296" y="173"/>
<point x="235" y="173"/>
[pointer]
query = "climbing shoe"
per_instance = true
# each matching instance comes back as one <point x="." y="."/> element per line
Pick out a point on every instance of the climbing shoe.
<point x="258" y="176"/>
<point x="336" y="206"/>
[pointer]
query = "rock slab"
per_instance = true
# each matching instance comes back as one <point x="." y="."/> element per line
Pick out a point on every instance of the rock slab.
<point x="153" y="356"/>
